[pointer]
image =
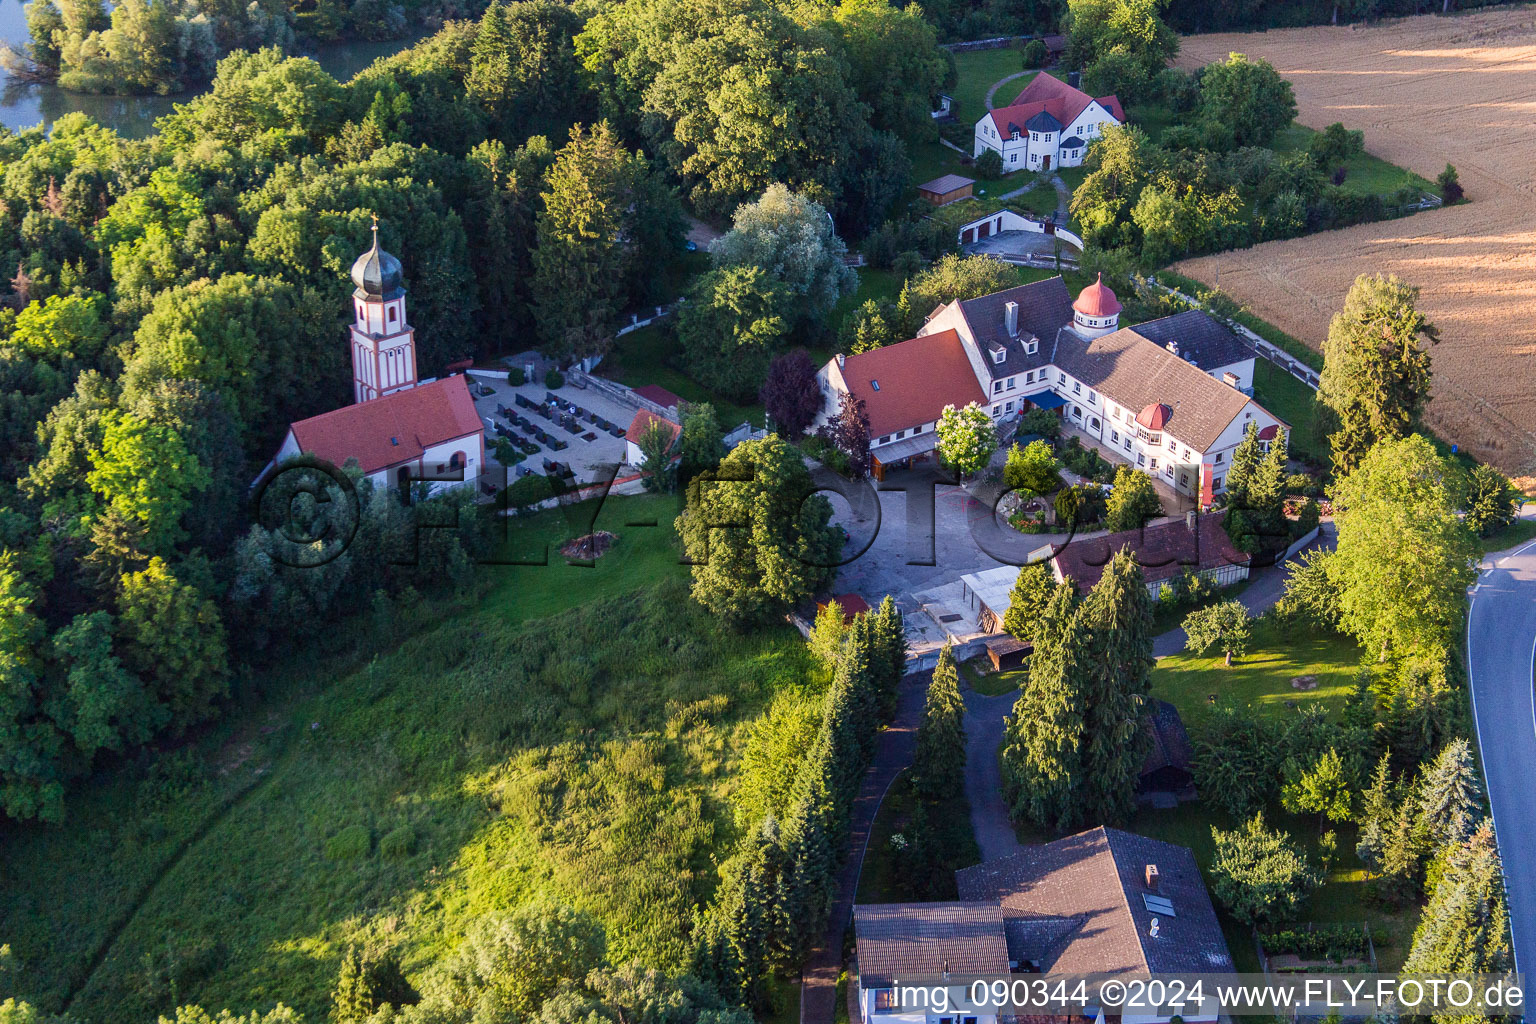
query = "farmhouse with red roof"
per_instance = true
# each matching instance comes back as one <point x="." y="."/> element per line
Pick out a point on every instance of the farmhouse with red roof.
<point x="1169" y="396"/>
<point x="1050" y="124"/>
<point x="400" y="429"/>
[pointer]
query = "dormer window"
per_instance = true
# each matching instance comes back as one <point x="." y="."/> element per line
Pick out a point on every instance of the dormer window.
<point x="1031" y="347"/>
<point x="999" y="354"/>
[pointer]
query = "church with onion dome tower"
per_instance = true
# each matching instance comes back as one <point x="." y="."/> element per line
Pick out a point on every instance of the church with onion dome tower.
<point x="1170" y="397"/>
<point x="400" y="428"/>
<point x="383" y="341"/>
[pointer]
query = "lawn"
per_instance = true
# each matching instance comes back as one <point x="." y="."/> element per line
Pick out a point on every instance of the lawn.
<point x="992" y="684"/>
<point x="1261" y="680"/>
<point x="879" y="882"/>
<point x="1367" y="174"/>
<point x="977" y="71"/>
<point x="1296" y="404"/>
<point x="484" y="761"/>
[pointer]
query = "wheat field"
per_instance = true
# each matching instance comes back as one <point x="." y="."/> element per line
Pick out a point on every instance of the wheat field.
<point x="1426" y="91"/>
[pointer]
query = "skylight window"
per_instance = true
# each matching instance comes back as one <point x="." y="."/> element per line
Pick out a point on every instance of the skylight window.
<point x="875" y="384"/>
<point x="1158" y="905"/>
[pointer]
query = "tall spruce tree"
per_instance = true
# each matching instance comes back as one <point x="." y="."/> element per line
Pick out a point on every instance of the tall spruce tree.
<point x="1116" y="621"/>
<point x="1376" y="367"/>
<point x="1449" y="794"/>
<point x="1378" y="806"/>
<point x="1465" y="927"/>
<point x="890" y="652"/>
<point x="1042" y="747"/>
<point x="750" y="908"/>
<point x="938" y="767"/>
<point x="806" y="884"/>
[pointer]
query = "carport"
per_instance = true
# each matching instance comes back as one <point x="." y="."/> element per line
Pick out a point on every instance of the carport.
<point x="1045" y="400"/>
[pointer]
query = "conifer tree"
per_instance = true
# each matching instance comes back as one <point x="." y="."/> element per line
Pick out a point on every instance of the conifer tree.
<point x="1377" y="808"/>
<point x="938" y="767"/>
<point x="859" y="670"/>
<point x="806" y="885"/>
<point x="826" y="639"/>
<point x="1026" y="602"/>
<point x="1449" y="797"/>
<point x="1246" y="458"/>
<point x="368" y="979"/>
<point x="750" y="908"/>
<point x="890" y="650"/>
<point x="1465" y="927"/>
<point x="1042" y="745"/>
<point x="1117" y="625"/>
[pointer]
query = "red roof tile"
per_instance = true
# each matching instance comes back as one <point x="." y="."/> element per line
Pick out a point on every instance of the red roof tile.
<point x="1050" y="94"/>
<point x="395" y="429"/>
<point x="916" y="380"/>
<point x="658" y="394"/>
<point x="1163" y="551"/>
<point x="643" y="419"/>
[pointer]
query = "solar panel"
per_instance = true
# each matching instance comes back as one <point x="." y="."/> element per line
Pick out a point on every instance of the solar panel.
<point x="1158" y="905"/>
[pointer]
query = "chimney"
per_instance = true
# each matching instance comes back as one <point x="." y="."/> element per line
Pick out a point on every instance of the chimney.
<point x="1011" y="318"/>
<point x="1189" y="522"/>
<point x="841" y="358"/>
<point x="1152" y="868"/>
<point x="1173" y="347"/>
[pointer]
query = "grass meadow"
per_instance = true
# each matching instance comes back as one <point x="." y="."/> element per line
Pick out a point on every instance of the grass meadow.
<point x="575" y="734"/>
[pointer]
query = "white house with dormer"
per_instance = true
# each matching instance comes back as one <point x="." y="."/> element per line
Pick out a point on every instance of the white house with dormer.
<point x="1170" y="397"/>
<point x="1050" y="124"/>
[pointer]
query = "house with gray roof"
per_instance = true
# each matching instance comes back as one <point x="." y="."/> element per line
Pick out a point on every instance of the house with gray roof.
<point x="1103" y="901"/>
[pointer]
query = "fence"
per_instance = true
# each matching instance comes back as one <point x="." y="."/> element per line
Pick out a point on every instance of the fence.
<point x="995" y="43"/>
<point x="635" y="323"/>
<point x="619" y="393"/>
<point x="1268" y="349"/>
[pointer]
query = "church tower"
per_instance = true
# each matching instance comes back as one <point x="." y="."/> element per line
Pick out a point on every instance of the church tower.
<point x="383" y="343"/>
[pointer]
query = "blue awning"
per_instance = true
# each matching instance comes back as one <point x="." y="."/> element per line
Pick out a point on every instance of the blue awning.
<point x="1046" y="400"/>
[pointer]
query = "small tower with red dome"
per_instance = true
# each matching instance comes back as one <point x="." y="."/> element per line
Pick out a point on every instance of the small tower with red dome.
<point x="1096" y="311"/>
<point x="383" y="343"/>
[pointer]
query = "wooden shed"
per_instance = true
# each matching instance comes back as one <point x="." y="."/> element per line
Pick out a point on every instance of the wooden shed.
<point x="945" y="190"/>
<point x="1006" y="651"/>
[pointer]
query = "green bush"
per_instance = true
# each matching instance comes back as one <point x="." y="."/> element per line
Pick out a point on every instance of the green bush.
<point x="1040" y="422"/>
<point x="554" y="379"/>
<point x="1035" y="54"/>
<point x="1323" y="942"/>
<point x="1304" y="484"/>
<point x="516" y="377"/>
<point x="350" y="843"/>
<point x="398" y="843"/>
<point x="989" y="165"/>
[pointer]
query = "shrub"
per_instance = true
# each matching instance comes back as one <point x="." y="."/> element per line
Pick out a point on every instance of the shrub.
<point x="516" y="377"/>
<point x="1304" y="484"/>
<point x="554" y="379"/>
<point x="1307" y="518"/>
<point x="989" y="165"/>
<point x="1449" y="183"/>
<point x="1035" y="54"/>
<point x="1041" y="422"/>
<point x="350" y="843"/>
<point x="1031" y="468"/>
<point x="1323" y="942"/>
<point x="1339" y="174"/>
<point x="398" y="843"/>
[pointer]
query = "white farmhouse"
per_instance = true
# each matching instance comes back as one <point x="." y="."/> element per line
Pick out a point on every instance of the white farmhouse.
<point x="1169" y="397"/>
<point x="1049" y="124"/>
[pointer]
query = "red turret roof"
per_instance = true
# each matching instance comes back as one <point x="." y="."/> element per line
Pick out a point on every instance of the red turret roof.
<point x="1154" y="416"/>
<point x="1097" y="300"/>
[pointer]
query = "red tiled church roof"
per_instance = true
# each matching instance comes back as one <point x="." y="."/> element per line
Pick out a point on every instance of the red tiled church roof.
<point x="911" y="382"/>
<point x="643" y="419"/>
<point x="391" y="430"/>
<point x="1051" y="95"/>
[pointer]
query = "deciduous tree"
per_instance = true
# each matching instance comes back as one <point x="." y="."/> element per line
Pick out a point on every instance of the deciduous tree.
<point x="1133" y="502"/>
<point x="1258" y="874"/>
<point x="790" y="394"/>
<point x="967" y="438"/>
<point x="1225" y="626"/>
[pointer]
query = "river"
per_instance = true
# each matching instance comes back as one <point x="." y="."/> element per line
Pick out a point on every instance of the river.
<point x="24" y="104"/>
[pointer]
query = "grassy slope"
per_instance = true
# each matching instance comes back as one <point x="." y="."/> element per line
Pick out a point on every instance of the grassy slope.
<point x="1296" y="404"/>
<point x="586" y="757"/>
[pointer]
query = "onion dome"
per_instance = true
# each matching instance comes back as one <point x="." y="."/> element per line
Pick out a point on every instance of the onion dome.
<point x="1154" y="416"/>
<point x="1097" y="300"/>
<point x="376" y="273"/>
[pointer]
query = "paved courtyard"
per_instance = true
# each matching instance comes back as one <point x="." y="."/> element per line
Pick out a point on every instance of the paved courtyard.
<point x="586" y="451"/>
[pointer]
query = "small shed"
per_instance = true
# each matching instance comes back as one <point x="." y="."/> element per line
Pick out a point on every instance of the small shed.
<point x="946" y="190"/>
<point x="1005" y="651"/>
<point x="852" y="605"/>
<point x="1167" y="765"/>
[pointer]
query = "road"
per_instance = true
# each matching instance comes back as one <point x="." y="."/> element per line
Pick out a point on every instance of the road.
<point x="1501" y="648"/>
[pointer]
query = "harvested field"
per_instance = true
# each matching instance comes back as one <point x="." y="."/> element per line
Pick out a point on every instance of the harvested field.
<point x="1426" y="91"/>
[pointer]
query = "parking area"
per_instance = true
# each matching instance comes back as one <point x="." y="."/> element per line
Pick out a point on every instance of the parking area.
<point x="569" y="428"/>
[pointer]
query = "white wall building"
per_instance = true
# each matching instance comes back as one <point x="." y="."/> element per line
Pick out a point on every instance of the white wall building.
<point x="1050" y="124"/>
<point x="1169" y="396"/>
